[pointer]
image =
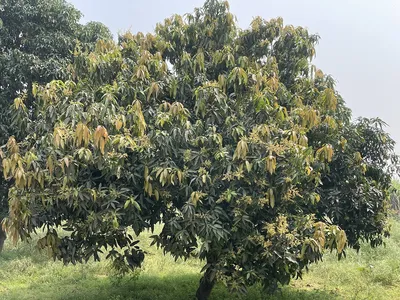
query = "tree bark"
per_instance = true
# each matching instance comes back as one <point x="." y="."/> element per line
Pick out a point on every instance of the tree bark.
<point x="3" y="237"/>
<point x="207" y="283"/>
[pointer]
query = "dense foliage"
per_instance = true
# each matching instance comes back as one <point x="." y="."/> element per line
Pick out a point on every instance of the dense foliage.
<point x="231" y="138"/>
<point x="36" y="40"/>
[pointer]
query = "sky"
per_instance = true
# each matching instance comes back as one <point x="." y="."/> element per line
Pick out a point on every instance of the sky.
<point x="359" y="45"/>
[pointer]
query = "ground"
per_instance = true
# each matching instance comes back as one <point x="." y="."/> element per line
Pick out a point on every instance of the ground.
<point x="26" y="273"/>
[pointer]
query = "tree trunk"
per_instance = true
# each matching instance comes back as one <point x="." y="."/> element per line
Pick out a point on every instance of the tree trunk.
<point x="3" y="237"/>
<point x="207" y="283"/>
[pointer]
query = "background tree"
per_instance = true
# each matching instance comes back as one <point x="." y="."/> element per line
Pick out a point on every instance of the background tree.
<point x="231" y="138"/>
<point x="395" y="196"/>
<point x="36" y="42"/>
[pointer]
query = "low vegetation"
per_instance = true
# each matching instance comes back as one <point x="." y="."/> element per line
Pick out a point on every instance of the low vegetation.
<point x="27" y="273"/>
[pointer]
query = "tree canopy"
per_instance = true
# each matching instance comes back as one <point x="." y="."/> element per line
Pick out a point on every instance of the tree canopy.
<point x="231" y="138"/>
<point x="37" y="38"/>
<point x="36" y="41"/>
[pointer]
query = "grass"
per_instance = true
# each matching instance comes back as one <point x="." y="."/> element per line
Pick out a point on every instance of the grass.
<point x="26" y="273"/>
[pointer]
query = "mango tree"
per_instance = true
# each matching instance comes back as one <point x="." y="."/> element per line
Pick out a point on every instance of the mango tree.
<point x="231" y="138"/>
<point x="36" y="40"/>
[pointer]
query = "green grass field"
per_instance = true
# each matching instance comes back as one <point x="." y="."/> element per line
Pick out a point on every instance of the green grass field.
<point x="26" y="273"/>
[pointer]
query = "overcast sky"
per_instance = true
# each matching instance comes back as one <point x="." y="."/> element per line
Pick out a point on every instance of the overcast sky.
<point x="359" y="46"/>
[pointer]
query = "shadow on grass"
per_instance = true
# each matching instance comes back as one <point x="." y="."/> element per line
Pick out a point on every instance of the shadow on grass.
<point x="172" y="287"/>
<point x="27" y="274"/>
